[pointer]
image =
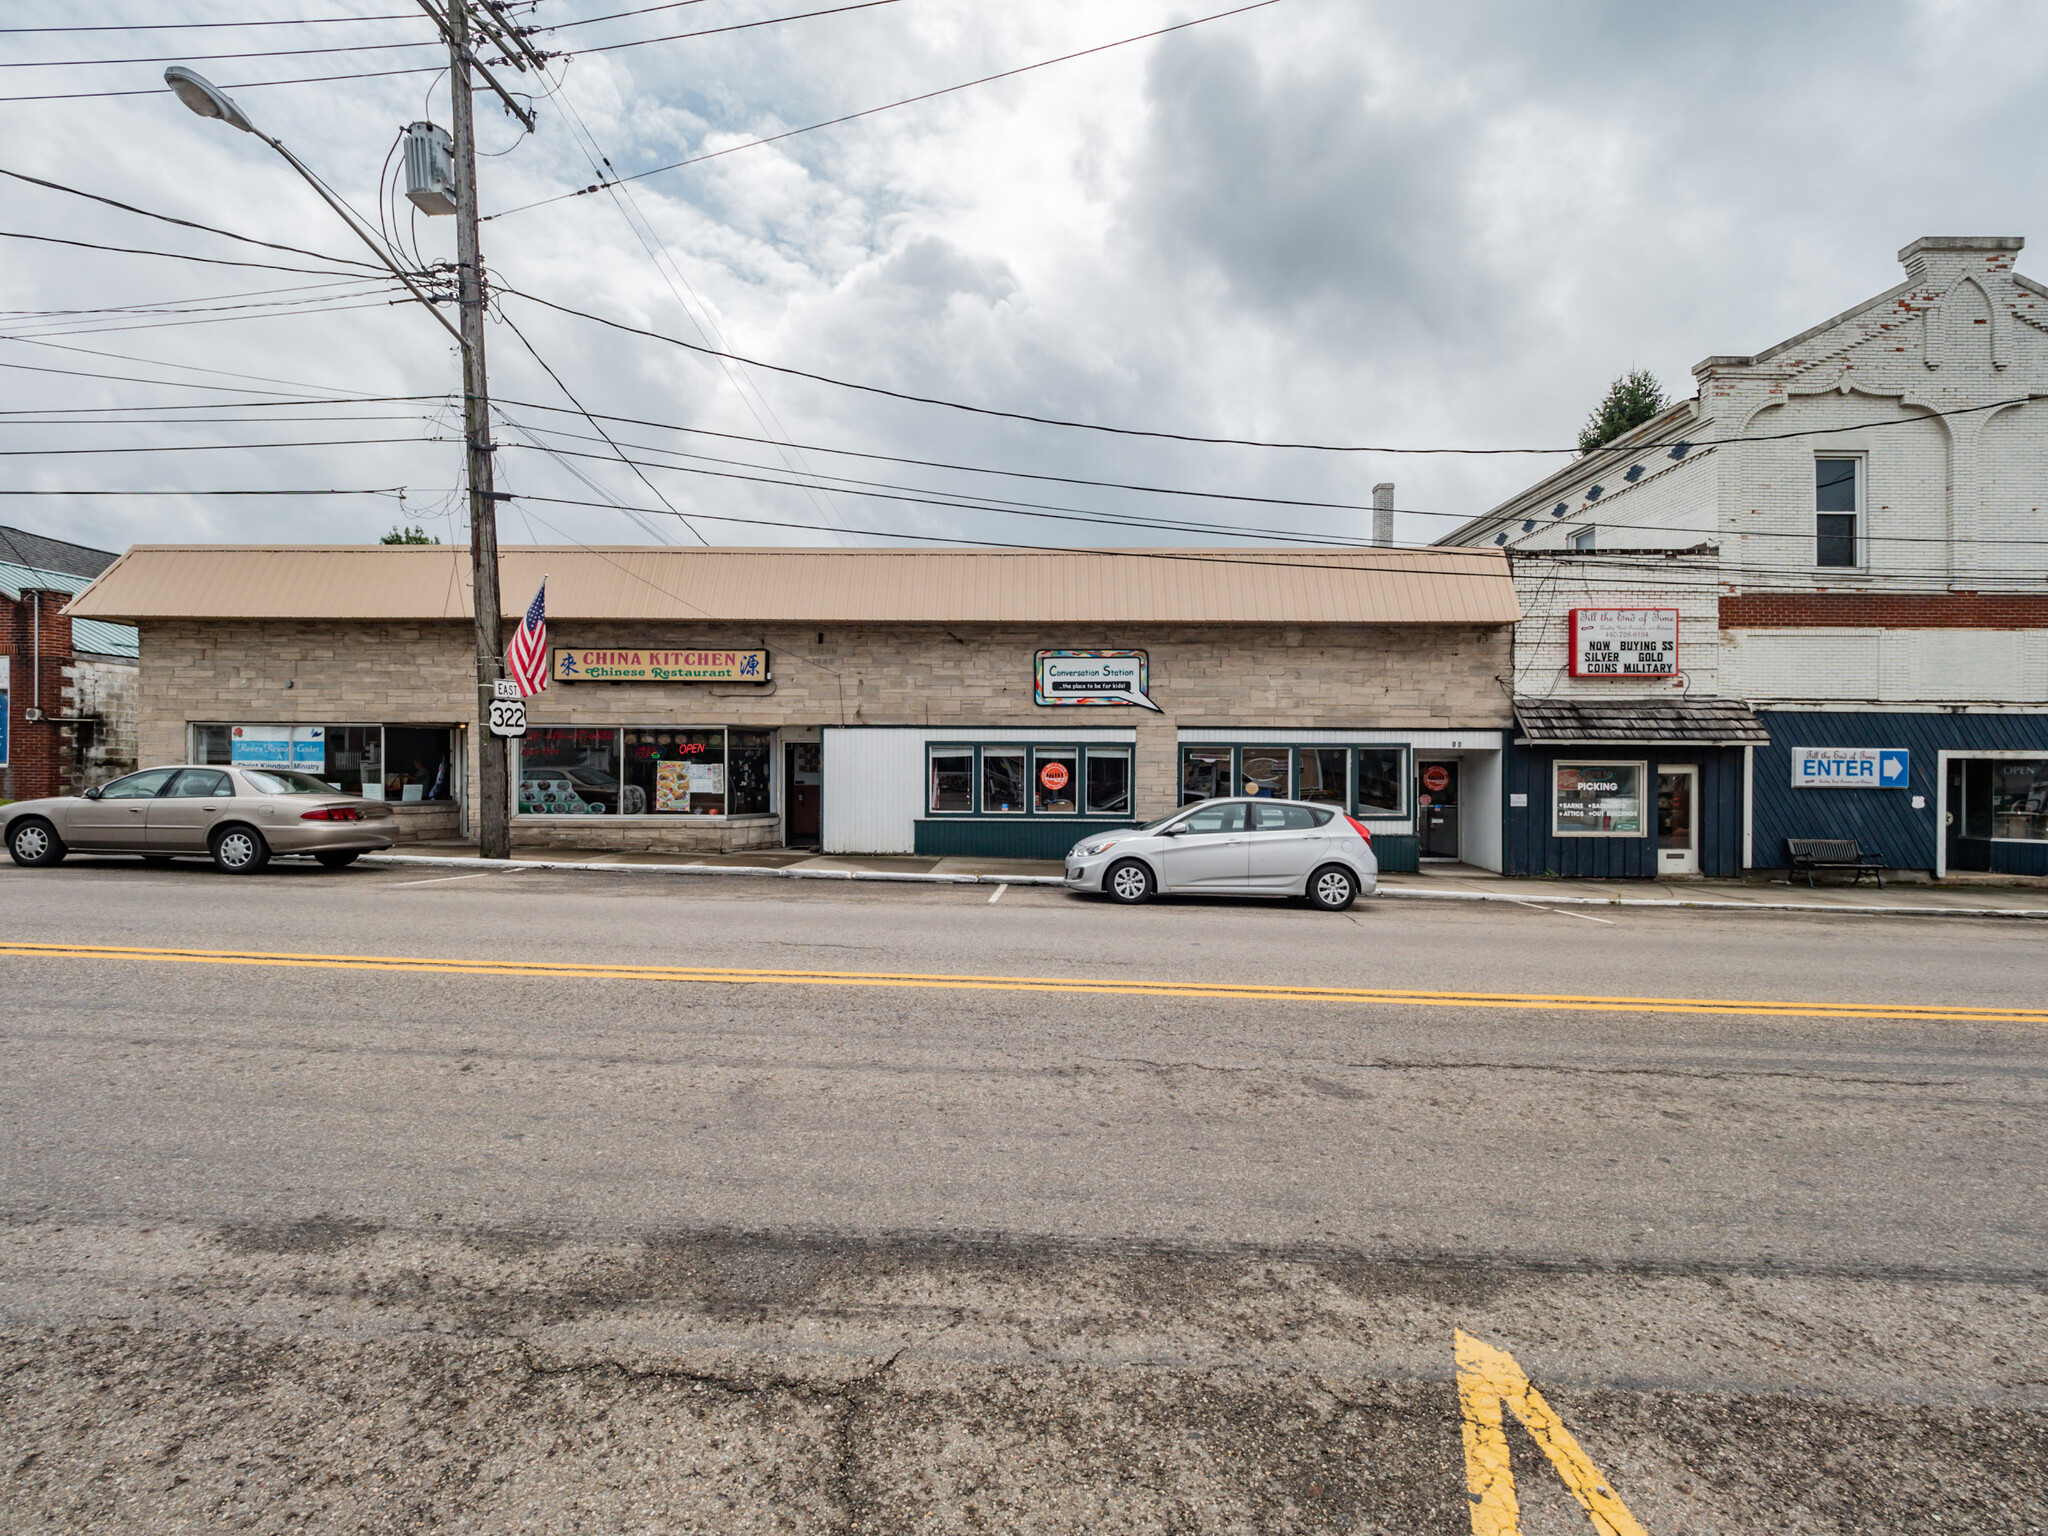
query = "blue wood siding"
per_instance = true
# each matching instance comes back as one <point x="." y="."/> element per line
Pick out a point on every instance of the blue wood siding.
<point x="1882" y="820"/>
<point x="1529" y="848"/>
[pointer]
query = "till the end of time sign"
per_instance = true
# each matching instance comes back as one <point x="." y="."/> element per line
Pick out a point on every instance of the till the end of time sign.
<point x="1624" y="642"/>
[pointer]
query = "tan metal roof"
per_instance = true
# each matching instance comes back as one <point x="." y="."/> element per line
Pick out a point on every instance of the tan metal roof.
<point x="935" y="586"/>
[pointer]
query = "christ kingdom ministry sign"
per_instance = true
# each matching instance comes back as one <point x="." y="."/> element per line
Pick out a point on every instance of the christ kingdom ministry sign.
<point x="1624" y="642"/>
<point x="708" y="666"/>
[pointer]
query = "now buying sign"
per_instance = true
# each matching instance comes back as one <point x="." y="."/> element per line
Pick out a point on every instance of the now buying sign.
<point x="1850" y="767"/>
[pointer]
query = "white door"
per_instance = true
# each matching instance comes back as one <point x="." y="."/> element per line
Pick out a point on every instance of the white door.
<point x="1678" y="820"/>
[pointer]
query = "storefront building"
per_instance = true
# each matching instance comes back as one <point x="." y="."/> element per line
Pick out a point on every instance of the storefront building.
<point x="858" y="701"/>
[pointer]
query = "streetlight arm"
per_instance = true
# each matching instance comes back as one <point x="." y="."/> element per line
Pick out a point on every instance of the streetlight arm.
<point x="349" y="218"/>
<point x="207" y="99"/>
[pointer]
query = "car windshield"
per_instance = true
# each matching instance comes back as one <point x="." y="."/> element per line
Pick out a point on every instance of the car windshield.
<point x="276" y="781"/>
<point x="1154" y="826"/>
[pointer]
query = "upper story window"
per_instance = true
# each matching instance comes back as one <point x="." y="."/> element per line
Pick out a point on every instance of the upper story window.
<point x="1837" y="505"/>
<point x="1583" y="539"/>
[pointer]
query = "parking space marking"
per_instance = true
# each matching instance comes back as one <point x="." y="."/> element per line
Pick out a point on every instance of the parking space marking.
<point x="1489" y="1380"/>
<point x="1557" y="912"/>
<point x="1223" y="991"/>
<point x="998" y="895"/>
<point x="483" y="874"/>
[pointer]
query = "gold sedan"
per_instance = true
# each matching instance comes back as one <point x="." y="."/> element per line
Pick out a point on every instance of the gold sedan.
<point x="240" y="816"/>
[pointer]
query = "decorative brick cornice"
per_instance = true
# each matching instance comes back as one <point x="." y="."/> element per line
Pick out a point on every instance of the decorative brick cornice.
<point x="1884" y="610"/>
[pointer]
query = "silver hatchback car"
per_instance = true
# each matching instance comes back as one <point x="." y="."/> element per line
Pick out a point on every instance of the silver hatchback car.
<point x="240" y="816"/>
<point x="1233" y="848"/>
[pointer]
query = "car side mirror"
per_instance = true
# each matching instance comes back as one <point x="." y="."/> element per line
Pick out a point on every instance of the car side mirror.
<point x="93" y="793"/>
<point x="1177" y="830"/>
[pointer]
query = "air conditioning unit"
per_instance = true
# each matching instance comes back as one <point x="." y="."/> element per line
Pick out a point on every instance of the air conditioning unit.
<point x="430" y="168"/>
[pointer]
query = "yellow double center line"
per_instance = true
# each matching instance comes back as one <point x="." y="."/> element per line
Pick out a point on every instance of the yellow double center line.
<point x="720" y="975"/>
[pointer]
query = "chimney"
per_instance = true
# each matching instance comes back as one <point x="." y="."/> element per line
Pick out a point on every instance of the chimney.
<point x="1383" y="513"/>
<point x="1940" y="260"/>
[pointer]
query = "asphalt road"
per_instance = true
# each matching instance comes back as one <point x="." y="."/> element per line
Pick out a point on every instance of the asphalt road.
<point x="1032" y="1214"/>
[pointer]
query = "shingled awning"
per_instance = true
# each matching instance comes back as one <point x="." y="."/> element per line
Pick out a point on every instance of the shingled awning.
<point x="1695" y="722"/>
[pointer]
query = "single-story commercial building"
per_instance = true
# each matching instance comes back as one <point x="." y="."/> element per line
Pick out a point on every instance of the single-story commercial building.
<point x="862" y="701"/>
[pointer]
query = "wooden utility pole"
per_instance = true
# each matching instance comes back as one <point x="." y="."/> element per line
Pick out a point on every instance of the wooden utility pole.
<point x="489" y="796"/>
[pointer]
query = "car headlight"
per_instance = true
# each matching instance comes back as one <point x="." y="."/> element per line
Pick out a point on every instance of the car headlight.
<point x="1089" y="850"/>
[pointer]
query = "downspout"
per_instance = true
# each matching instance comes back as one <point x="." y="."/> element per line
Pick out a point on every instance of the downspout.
<point x="1748" y="808"/>
<point x="35" y="640"/>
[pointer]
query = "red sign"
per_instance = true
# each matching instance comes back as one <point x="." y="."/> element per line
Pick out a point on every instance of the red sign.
<point x="1053" y="776"/>
<point x="1436" y="778"/>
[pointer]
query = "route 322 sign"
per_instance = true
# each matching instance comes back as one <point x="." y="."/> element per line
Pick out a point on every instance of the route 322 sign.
<point x="508" y="709"/>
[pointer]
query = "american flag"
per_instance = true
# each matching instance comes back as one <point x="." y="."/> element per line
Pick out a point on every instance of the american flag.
<point x="526" y="658"/>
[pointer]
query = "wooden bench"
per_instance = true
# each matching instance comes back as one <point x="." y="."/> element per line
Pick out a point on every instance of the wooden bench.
<point x="1843" y="853"/>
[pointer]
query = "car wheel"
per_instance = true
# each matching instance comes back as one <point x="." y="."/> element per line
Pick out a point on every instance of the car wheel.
<point x="1129" y="882"/>
<point x="1332" y="888"/>
<point x="240" y="850"/>
<point x="339" y="858"/>
<point x="35" y="843"/>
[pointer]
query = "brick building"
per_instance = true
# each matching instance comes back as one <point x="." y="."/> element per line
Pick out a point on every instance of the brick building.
<point x="1863" y="504"/>
<point x="67" y="689"/>
<point x="870" y="701"/>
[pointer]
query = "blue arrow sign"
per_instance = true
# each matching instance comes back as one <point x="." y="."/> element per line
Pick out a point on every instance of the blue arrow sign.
<point x="1892" y="764"/>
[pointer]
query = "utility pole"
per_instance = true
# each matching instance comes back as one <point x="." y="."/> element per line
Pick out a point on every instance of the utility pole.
<point x="490" y="795"/>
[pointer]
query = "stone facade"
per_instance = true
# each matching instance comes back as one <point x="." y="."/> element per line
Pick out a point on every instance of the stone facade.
<point x="1422" y="677"/>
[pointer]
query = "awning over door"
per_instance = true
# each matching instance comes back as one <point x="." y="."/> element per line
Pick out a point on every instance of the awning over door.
<point x="1687" y="722"/>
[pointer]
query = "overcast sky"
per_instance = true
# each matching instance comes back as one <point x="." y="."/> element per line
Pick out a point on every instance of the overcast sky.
<point x="1331" y="221"/>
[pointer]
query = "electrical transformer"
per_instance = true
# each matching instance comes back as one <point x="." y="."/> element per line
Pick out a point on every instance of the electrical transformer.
<point x="430" y="168"/>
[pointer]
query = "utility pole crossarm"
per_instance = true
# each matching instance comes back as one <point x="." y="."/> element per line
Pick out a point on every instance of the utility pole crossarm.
<point x="448" y="33"/>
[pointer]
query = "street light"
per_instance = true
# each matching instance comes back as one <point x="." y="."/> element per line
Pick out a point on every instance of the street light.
<point x="208" y="100"/>
<point x="493" y="821"/>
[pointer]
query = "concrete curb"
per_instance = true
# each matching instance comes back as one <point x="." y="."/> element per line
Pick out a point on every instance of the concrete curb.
<point x="1394" y="893"/>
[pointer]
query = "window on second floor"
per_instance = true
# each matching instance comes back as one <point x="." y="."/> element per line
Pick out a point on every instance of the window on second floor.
<point x="1835" y="504"/>
<point x="1582" y="539"/>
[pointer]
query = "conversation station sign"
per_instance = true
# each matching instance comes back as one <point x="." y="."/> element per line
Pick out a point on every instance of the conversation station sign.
<point x="1094" y="677"/>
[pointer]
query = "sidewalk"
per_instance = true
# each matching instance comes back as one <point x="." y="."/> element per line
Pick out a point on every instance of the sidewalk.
<point x="1966" y="897"/>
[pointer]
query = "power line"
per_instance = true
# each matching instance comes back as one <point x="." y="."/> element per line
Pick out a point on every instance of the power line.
<point x="130" y="250"/>
<point x="58" y="186"/>
<point x="741" y="26"/>
<point x="206" y="405"/>
<point x="194" y="26"/>
<point x="151" y="362"/>
<point x="891" y="106"/>
<point x="202" y="58"/>
<point x="591" y="21"/>
<point x="323" y="308"/>
<point x="389" y="490"/>
<point x="346" y="442"/>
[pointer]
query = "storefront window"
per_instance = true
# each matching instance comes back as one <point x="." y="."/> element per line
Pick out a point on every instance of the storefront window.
<point x="1324" y="771"/>
<point x="1265" y="772"/>
<point x="750" y="757"/>
<point x="1379" y="780"/>
<point x="566" y="771"/>
<point x="1598" y="800"/>
<point x="1204" y="773"/>
<point x="1055" y="781"/>
<point x="1109" y="783"/>
<point x="952" y="780"/>
<point x="2019" y="800"/>
<point x="1003" y="789"/>
<point x="355" y="759"/>
<point x="418" y="762"/>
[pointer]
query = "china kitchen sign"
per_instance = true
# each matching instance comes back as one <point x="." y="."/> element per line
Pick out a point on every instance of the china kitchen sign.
<point x="647" y="666"/>
<point x="1624" y="642"/>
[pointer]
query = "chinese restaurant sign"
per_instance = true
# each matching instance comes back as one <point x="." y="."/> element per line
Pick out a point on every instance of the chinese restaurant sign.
<point x="1624" y="642"/>
<point x="1094" y="677"/>
<point x="597" y="666"/>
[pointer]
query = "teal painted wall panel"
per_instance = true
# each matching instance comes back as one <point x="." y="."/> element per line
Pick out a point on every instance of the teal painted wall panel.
<point x="1026" y="837"/>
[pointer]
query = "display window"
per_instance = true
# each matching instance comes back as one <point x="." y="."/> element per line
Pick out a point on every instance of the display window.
<point x="402" y="763"/>
<point x="1381" y="780"/>
<point x="569" y="771"/>
<point x="1597" y="799"/>
<point x="2005" y="799"/>
<point x="1265" y="773"/>
<point x="951" y="780"/>
<point x="1205" y="773"/>
<point x="1109" y="783"/>
<point x="1004" y="786"/>
<point x="750" y="765"/>
<point x="1055" y="781"/>
<point x="1325" y="775"/>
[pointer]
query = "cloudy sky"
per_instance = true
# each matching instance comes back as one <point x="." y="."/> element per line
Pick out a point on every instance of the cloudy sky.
<point x="1328" y="221"/>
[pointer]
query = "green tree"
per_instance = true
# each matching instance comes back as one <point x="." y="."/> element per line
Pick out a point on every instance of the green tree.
<point x="408" y="536"/>
<point x="1631" y="400"/>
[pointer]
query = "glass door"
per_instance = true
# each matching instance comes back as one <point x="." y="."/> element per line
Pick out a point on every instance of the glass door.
<point x="1436" y="804"/>
<point x="1678" y="828"/>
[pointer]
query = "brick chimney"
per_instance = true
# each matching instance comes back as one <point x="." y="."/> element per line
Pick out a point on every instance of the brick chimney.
<point x="1383" y="513"/>
<point x="1941" y="259"/>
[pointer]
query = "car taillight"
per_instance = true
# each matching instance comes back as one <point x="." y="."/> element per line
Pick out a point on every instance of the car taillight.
<point x="1363" y="830"/>
<point x="332" y="813"/>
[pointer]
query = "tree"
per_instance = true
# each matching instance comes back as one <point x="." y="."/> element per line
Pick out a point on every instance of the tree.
<point x="1631" y="400"/>
<point x="407" y="536"/>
